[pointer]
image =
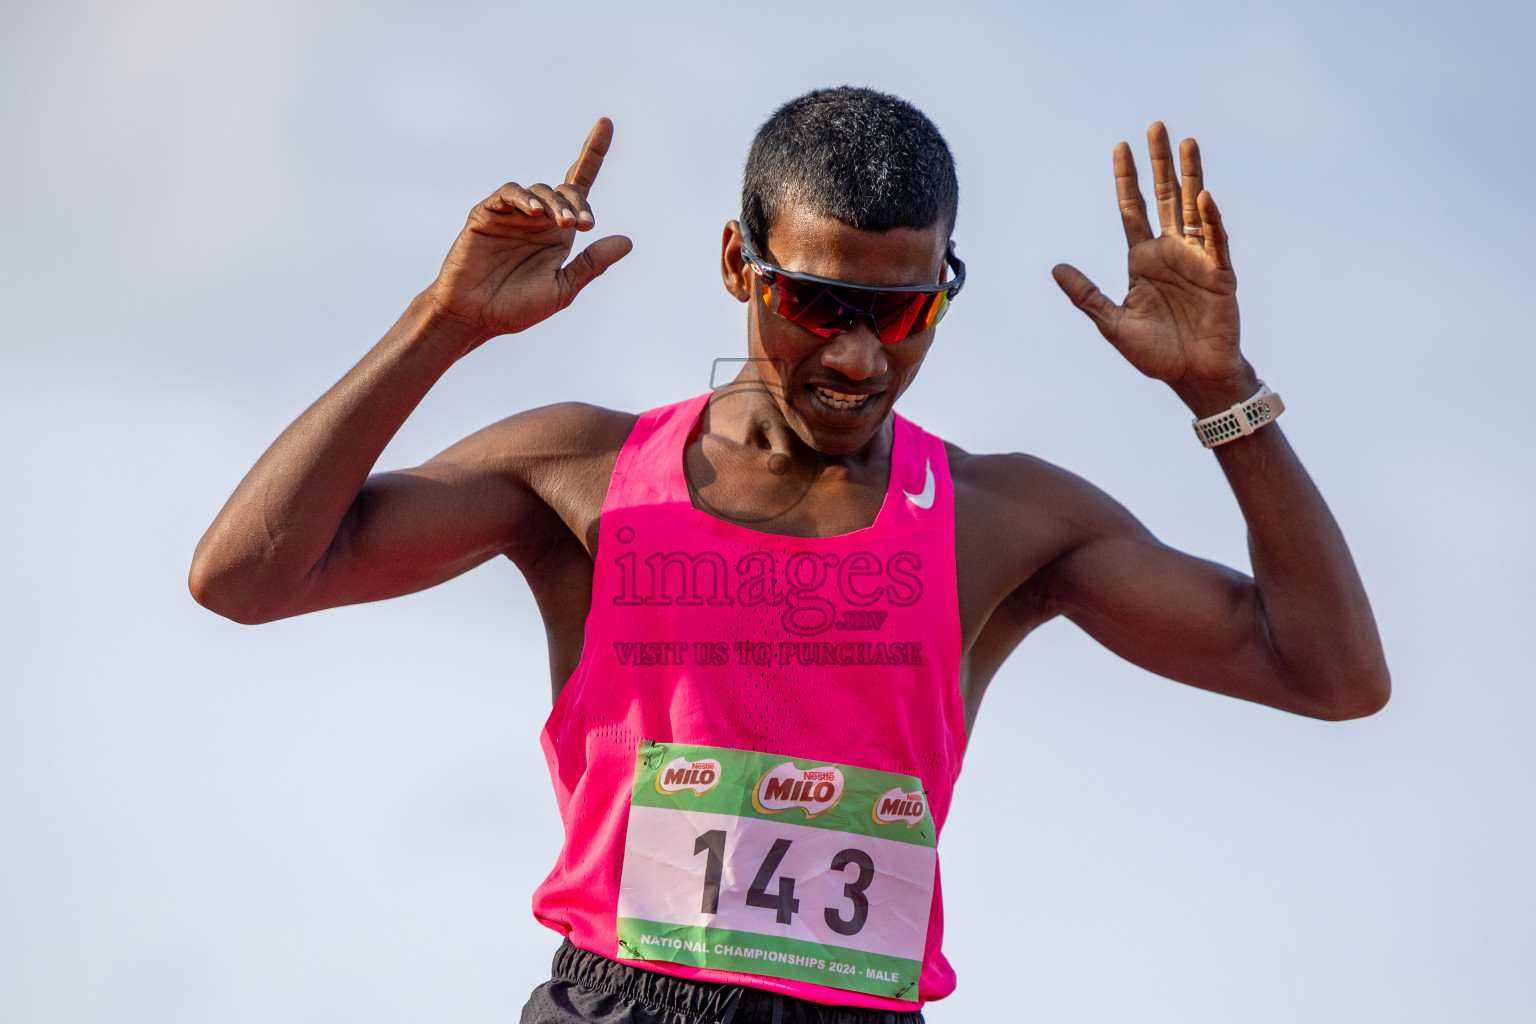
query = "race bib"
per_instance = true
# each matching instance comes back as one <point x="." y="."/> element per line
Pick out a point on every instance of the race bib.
<point x="762" y="864"/>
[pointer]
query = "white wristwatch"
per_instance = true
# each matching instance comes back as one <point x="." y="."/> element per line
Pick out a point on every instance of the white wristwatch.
<point x="1240" y="420"/>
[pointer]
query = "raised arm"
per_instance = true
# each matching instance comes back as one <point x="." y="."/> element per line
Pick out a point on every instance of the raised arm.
<point x="307" y="528"/>
<point x="1299" y="635"/>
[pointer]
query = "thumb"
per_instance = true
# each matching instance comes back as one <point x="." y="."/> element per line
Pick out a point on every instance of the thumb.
<point x="1087" y="297"/>
<point x="592" y="261"/>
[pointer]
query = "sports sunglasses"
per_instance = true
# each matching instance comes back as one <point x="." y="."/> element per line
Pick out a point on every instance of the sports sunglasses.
<point x="826" y="307"/>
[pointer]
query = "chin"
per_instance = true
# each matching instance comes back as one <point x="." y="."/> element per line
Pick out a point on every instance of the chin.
<point x="832" y="433"/>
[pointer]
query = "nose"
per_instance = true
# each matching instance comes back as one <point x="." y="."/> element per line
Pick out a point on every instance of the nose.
<point x="856" y="353"/>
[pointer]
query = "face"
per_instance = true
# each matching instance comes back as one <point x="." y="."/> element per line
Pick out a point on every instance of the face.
<point x="835" y="393"/>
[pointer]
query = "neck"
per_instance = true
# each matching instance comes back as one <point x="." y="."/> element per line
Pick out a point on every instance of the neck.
<point x="749" y="414"/>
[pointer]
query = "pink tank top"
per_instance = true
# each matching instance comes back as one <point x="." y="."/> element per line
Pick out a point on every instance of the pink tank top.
<point x="843" y="650"/>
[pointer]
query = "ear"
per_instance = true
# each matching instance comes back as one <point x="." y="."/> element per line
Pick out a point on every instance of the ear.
<point x="734" y="271"/>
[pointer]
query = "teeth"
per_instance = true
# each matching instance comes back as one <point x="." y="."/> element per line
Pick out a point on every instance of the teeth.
<point x="838" y="400"/>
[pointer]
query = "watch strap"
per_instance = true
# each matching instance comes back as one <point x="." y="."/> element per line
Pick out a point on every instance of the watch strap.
<point x="1240" y="420"/>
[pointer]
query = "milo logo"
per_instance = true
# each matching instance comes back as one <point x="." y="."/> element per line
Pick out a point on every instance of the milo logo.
<point x="894" y="806"/>
<point x="682" y="775"/>
<point x="813" y="790"/>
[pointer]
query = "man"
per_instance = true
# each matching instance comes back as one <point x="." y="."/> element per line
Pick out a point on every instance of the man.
<point x="773" y="611"/>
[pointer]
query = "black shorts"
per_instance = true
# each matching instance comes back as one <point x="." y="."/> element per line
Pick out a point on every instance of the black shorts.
<point x="590" y="988"/>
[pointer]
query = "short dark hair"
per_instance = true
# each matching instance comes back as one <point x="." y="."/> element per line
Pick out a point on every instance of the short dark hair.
<point x="867" y="158"/>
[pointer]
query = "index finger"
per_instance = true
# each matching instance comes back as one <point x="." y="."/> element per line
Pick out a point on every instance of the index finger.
<point x="1133" y="208"/>
<point x="584" y="171"/>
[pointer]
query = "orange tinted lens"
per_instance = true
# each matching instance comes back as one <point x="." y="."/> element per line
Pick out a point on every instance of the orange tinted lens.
<point x="830" y="309"/>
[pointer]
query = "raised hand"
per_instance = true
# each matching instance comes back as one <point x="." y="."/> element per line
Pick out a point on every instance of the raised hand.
<point x="507" y="270"/>
<point x="1178" y="322"/>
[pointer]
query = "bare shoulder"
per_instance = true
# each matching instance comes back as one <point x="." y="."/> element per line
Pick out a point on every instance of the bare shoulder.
<point x="1018" y="518"/>
<point x="1012" y="491"/>
<point x="562" y="455"/>
<point x="550" y="436"/>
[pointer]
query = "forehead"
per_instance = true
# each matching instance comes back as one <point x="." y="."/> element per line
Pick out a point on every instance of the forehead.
<point x="810" y="243"/>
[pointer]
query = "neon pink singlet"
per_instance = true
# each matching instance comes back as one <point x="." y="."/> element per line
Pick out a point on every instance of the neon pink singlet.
<point x="840" y="649"/>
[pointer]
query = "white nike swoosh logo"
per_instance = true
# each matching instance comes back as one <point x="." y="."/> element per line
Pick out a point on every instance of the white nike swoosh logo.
<point x="925" y="499"/>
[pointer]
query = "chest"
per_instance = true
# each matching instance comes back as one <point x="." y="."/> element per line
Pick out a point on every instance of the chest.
<point x="770" y="493"/>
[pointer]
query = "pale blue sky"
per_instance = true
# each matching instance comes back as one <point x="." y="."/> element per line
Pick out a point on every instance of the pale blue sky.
<point x="207" y="212"/>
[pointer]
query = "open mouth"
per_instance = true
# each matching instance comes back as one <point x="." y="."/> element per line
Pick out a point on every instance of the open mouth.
<point x="841" y="400"/>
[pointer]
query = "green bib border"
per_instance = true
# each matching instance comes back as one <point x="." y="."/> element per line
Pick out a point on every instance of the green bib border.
<point x="725" y="949"/>
<point x="740" y="772"/>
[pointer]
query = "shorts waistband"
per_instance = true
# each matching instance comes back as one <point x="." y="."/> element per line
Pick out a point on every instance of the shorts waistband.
<point x="707" y="1000"/>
